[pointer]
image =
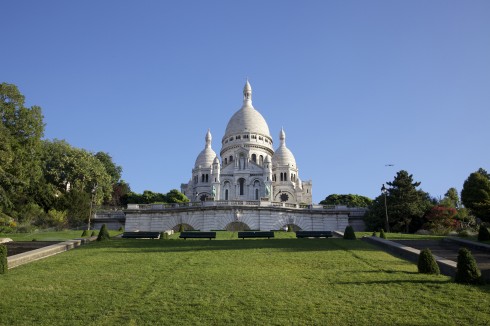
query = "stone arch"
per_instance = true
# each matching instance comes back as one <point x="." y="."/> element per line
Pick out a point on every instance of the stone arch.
<point x="237" y="226"/>
<point x="187" y="227"/>
<point x="298" y="221"/>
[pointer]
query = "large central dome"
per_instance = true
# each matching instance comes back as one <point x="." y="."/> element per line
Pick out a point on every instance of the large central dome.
<point x="247" y="119"/>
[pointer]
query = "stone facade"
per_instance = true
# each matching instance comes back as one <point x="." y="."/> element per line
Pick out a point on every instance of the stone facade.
<point x="208" y="216"/>
<point x="249" y="168"/>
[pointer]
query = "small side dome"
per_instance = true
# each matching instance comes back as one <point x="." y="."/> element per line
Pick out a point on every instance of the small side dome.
<point x="283" y="156"/>
<point x="216" y="160"/>
<point x="206" y="158"/>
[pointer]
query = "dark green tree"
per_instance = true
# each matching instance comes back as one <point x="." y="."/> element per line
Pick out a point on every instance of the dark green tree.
<point x="3" y="259"/>
<point x="21" y="130"/>
<point x="467" y="271"/>
<point x="427" y="263"/>
<point x="476" y="194"/>
<point x="103" y="234"/>
<point x="175" y="196"/>
<point x="348" y="200"/>
<point x="483" y="234"/>
<point x="349" y="233"/>
<point x="406" y="205"/>
<point x="111" y="168"/>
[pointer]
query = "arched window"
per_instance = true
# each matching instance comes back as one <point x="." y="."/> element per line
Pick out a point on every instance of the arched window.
<point x="261" y="160"/>
<point x="254" y="158"/>
<point x="226" y="160"/>
<point x="285" y="176"/>
<point x="241" y="162"/>
<point x="207" y="177"/>
<point x="292" y="177"/>
<point x="231" y="158"/>
<point x="226" y="194"/>
<point x="241" y="181"/>
<point x="282" y="176"/>
<point x="256" y="194"/>
<point x="202" y="178"/>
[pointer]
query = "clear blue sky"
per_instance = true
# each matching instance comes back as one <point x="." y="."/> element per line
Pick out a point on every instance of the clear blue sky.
<point x="356" y="84"/>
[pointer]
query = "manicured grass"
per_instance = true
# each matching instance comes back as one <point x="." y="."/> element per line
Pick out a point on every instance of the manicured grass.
<point x="50" y="235"/>
<point x="239" y="282"/>
<point x="401" y="236"/>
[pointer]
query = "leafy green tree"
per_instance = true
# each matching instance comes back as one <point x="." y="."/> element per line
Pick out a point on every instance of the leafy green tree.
<point x="349" y="200"/>
<point x="406" y="205"/>
<point x="175" y="196"/>
<point x="120" y="192"/>
<point x="111" y="168"/>
<point x="476" y="194"/>
<point x="451" y="198"/>
<point x="21" y="130"/>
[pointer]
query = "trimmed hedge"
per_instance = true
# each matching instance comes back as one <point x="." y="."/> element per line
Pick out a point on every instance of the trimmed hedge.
<point x="349" y="233"/>
<point x="427" y="263"/>
<point x="3" y="259"/>
<point x="382" y="234"/>
<point x="103" y="233"/>
<point x="483" y="234"/>
<point x="467" y="271"/>
<point x="84" y="233"/>
<point x="93" y="234"/>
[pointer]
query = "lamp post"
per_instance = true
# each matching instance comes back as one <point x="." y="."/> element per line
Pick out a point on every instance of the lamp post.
<point x="385" y="191"/>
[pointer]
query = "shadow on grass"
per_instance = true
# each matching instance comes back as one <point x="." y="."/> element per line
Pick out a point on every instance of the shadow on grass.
<point x="293" y="245"/>
<point x="384" y="282"/>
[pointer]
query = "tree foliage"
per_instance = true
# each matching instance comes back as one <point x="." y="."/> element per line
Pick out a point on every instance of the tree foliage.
<point x="483" y="233"/>
<point x="406" y="205"/>
<point x="476" y="194"/>
<point x="150" y="197"/>
<point x="21" y="130"/>
<point x="3" y="259"/>
<point x="348" y="200"/>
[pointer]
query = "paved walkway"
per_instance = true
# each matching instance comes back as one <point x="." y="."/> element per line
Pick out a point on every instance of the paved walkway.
<point x="449" y="250"/>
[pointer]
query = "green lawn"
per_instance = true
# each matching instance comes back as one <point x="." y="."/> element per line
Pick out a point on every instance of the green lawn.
<point x="239" y="282"/>
<point x="49" y="235"/>
<point x="401" y="236"/>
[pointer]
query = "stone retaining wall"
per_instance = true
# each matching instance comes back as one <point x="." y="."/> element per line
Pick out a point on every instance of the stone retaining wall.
<point x="29" y="256"/>
<point x="447" y="267"/>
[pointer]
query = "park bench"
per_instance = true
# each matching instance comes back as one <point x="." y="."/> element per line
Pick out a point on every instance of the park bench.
<point x="256" y="234"/>
<point x="197" y="235"/>
<point x="314" y="234"/>
<point x="141" y="235"/>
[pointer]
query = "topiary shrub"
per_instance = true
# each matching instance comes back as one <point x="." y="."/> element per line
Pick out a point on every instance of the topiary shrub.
<point x="103" y="233"/>
<point x="467" y="272"/>
<point x="93" y="234"/>
<point x="382" y="234"/>
<point x="290" y="229"/>
<point x="374" y="234"/>
<point x="349" y="233"/>
<point x="121" y="229"/>
<point x="84" y="233"/>
<point x="427" y="263"/>
<point x="181" y="228"/>
<point x="483" y="234"/>
<point x="3" y="259"/>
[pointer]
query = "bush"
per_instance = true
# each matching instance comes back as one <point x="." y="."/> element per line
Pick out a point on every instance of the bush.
<point x="427" y="263"/>
<point x="84" y="233"/>
<point x="467" y="272"/>
<point x="121" y="229"/>
<point x="483" y="234"/>
<point x="464" y="234"/>
<point x="382" y="234"/>
<point x="103" y="233"/>
<point x="290" y="229"/>
<point x="93" y="234"/>
<point x="181" y="228"/>
<point x="374" y="234"/>
<point x="3" y="259"/>
<point x="349" y="233"/>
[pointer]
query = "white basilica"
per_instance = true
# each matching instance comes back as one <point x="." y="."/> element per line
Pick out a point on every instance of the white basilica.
<point x="249" y="168"/>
